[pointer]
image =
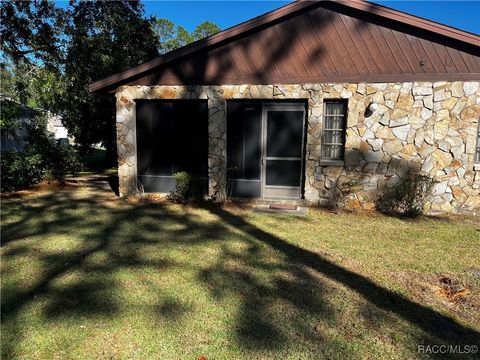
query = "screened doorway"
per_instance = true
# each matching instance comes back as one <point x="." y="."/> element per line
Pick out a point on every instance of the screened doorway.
<point x="265" y="147"/>
<point x="172" y="136"/>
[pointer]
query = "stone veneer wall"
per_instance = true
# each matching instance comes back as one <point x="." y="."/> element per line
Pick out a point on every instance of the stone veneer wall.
<point x="428" y="128"/>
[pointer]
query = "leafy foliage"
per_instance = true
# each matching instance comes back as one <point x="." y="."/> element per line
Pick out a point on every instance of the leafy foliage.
<point x="173" y="36"/>
<point x="170" y="36"/>
<point x="408" y="198"/>
<point x="20" y="170"/>
<point x="205" y="29"/>
<point x="7" y="80"/>
<point x="187" y="188"/>
<point x="32" y="30"/>
<point x="33" y="42"/>
<point x="8" y="115"/>
<point x="57" y="159"/>
<point x="43" y="158"/>
<point x="104" y="38"/>
<point x="30" y="84"/>
<point x="53" y="53"/>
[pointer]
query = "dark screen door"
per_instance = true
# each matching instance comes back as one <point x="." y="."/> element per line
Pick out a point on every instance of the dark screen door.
<point x="283" y="129"/>
<point x="244" y="128"/>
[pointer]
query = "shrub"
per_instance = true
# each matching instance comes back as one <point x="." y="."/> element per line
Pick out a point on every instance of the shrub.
<point x="408" y="198"/>
<point x="20" y="170"/>
<point x="65" y="160"/>
<point x="43" y="158"/>
<point x="187" y="188"/>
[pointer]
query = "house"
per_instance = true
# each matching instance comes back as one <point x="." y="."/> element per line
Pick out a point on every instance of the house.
<point x="56" y="128"/>
<point x="23" y="116"/>
<point x="14" y="140"/>
<point x="334" y="102"/>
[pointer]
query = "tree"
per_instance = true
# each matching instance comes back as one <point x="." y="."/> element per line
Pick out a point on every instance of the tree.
<point x="103" y="38"/>
<point x="183" y="36"/>
<point x="52" y="54"/>
<point x="170" y="36"/>
<point x="32" y="31"/>
<point x="7" y="80"/>
<point x="173" y="36"/>
<point x="32" y="47"/>
<point x="205" y="29"/>
<point x="30" y="84"/>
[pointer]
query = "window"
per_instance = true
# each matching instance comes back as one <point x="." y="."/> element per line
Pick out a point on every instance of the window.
<point x="477" y="152"/>
<point x="333" y="135"/>
<point x="172" y="136"/>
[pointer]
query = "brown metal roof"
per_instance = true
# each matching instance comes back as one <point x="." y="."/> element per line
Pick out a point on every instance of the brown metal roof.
<point x="309" y="41"/>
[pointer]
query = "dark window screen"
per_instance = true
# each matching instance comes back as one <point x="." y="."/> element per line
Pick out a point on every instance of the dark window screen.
<point x="172" y="136"/>
<point x="283" y="172"/>
<point x="243" y="140"/>
<point x="284" y="133"/>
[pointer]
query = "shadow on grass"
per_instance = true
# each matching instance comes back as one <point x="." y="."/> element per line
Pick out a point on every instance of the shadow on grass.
<point x="280" y="294"/>
<point x="437" y="328"/>
<point x="91" y="288"/>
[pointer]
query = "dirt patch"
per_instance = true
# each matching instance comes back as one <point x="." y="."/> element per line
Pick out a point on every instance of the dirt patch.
<point x="456" y="218"/>
<point x="40" y="188"/>
<point x="452" y="289"/>
<point x="460" y="294"/>
<point x="155" y="198"/>
<point x="237" y="206"/>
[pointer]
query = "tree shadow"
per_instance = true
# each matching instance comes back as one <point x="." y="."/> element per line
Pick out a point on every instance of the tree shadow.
<point x="268" y="289"/>
<point x="277" y="291"/>
<point x="436" y="327"/>
<point x="76" y="279"/>
<point x="172" y="309"/>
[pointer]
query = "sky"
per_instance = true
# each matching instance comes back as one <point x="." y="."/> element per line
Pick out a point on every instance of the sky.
<point x="464" y="15"/>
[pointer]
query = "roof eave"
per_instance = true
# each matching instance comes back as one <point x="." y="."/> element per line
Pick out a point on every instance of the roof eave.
<point x="111" y="82"/>
<point x="189" y="49"/>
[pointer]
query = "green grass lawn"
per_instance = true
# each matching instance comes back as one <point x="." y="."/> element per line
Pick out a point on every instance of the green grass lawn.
<point x="95" y="162"/>
<point x="86" y="275"/>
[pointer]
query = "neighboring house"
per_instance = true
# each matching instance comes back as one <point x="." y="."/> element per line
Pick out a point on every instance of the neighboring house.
<point x="60" y="132"/>
<point x="16" y="142"/>
<point x="333" y="102"/>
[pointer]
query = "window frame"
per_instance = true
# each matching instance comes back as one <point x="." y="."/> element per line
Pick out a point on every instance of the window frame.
<point x="334" y="161"/>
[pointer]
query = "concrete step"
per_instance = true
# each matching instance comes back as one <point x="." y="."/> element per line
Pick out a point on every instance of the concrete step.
<point x="265" y="201"/>
<point x="298" y="211"/>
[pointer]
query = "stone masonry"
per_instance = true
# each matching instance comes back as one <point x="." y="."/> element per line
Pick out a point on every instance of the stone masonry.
<point x="422" y="127"/>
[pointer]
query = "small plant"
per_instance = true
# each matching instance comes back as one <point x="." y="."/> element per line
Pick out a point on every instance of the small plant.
<point x="187" y="188"/>
<point x="408" y="198"/>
